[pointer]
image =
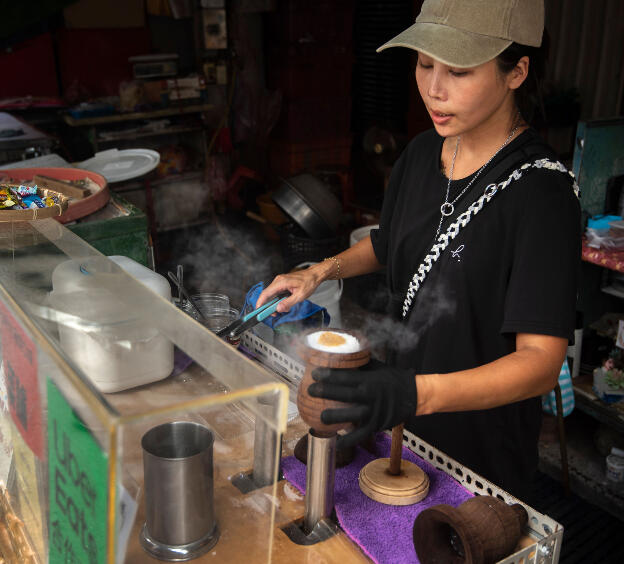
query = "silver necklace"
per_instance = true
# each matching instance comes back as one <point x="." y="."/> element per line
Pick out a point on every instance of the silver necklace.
<point x="448" y="208"/>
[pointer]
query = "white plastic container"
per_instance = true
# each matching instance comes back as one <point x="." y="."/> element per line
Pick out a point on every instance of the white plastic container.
<point x="360" y="233"/>
<point x="327" y="295"/>
<point x="615" y="465"/>
<point x="115" y="349"/>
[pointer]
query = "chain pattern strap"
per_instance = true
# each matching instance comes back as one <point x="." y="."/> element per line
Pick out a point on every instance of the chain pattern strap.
<point x="464" y="218"/>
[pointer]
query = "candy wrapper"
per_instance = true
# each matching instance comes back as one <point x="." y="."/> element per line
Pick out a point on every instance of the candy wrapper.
<point x="8" y="204"/>
<point x="33" y="202"/>
<point x="7" y="201"/>
<point x="51" y="200"/>
<point x="19" y="203"/>
<point x="23" y="191"/>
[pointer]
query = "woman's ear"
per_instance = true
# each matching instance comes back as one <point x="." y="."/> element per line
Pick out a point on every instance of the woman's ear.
<point x="519" y="73"/>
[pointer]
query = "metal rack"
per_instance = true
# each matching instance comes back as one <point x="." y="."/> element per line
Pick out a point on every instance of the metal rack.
<point x="547" y="533"/>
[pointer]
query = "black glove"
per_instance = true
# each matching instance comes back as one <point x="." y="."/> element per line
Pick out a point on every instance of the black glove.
<point x="383" y="396"/>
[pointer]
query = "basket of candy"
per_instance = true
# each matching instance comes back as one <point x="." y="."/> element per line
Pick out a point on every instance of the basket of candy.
<point x="25" y="203"/>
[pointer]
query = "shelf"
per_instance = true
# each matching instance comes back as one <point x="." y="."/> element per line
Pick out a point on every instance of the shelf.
<point x="586" y="401"/>
<point x="184" y="225"/>
<point x="122" y="135"/>
<point x="587" y="467"/>
<point x="164" y="112"/>
<point x="613" y="260"/>
<point x="140" y="185"/>
<point x="612" y="291"/>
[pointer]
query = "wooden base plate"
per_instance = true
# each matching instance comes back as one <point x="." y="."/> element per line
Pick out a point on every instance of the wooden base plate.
<point x="408" y="487"/>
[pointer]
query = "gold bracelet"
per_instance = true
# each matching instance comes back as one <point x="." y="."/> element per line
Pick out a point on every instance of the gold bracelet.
<point x="337" y="277"/>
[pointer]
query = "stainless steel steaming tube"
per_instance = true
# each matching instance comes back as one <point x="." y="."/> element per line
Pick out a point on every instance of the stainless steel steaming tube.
<point x="179" y="497"/>
<point x="266" y="442"/>
<point x="321" y="467"/>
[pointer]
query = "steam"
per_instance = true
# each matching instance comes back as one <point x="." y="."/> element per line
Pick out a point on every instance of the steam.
<point x="229" y="259"/>
<point x="432" y="306"/>
<point x="226" y="259"/>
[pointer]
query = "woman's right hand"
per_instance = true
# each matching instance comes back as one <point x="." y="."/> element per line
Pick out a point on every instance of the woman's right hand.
<point x="300" y="284"/>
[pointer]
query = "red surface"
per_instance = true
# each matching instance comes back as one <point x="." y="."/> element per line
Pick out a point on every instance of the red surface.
<point x="310" y="70"/>
<point x="29" y="69"/>
<point x="77" y="209"/>
<point x="322" y="21"/>
<point x="19" y="357"/>
<point x="25" y="102"/>
<point x="314" y="118"/>
<point x="95" y="61"/>
<point x="602" y="257"/>
<point x="289" y="157"/>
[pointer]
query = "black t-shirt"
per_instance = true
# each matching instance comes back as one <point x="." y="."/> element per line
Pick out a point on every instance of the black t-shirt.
<point x="512" y="269"/>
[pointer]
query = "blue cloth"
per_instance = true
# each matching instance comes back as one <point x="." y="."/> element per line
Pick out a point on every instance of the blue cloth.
<point x="549" y="401"/>
<point x="602" y="221"/>
<point x="300" y="311"/>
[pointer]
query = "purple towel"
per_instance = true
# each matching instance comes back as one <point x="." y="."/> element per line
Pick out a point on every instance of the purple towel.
<point x="181" y="361"/>
<point x="383" y="532"/>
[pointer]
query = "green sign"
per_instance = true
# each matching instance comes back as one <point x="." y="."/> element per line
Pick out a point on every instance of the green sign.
<point x="78" y="471"/>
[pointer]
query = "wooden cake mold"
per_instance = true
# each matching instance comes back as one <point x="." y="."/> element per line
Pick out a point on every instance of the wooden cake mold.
<point x="310" y="408"/>
<point x="539" y="535"/>
<point x="332" y="359"/>
<point x="481" y="530"/>
<point x="394" y="481"/>
<point x="409" y="486"/>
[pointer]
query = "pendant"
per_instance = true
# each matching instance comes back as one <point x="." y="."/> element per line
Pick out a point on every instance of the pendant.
<point x="447" y="209"/>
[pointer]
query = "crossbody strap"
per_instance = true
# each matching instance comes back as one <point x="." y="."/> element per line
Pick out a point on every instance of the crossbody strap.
<point x="464" y="218"/>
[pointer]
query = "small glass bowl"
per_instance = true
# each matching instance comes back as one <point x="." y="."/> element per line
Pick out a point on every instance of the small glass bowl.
<point x="216" y="309"/>
<point x="206" y="300"/>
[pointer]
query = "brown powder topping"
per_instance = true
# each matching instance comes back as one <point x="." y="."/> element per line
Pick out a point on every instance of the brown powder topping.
<point x="329" y="339"/>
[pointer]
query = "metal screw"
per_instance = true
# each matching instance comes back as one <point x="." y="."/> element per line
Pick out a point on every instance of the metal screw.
<point x="546" y="550"/>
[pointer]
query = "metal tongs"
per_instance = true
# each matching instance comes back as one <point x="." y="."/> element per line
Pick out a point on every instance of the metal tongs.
<point x="182" y="293"/>
<point x="246" y="322"/>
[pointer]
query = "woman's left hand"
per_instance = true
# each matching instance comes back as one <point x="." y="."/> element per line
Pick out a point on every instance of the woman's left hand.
<point x="382" y="396"/>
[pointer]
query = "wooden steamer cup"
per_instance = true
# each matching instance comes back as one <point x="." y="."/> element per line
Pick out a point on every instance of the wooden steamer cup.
<point x="387" y="480"/>
<point x="310" y="408"/>
<point x="321" y="455"/>
<point x="481" y="530"/>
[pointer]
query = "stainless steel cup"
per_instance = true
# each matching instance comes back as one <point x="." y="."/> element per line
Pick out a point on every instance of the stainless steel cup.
<point x="320" y="472"/>
<point x="180" y="521"/>
<point x="266" y="441"/>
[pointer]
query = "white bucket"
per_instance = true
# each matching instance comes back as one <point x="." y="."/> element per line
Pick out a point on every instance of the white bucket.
<point x="327" y="295"/>
<point x="615" y="468"/>
<point x="360" y="233"/>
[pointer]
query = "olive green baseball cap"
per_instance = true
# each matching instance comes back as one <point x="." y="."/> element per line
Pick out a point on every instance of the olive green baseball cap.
<point x="467" y="33"/>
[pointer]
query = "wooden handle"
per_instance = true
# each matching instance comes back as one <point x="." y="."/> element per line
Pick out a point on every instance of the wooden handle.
<point x="396" y="450"/>
<point x="255" y="216"/>
<point x="61" y="186"/>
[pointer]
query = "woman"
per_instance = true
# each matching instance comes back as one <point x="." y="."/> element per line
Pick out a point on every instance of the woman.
<point x="482" y="276"/>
